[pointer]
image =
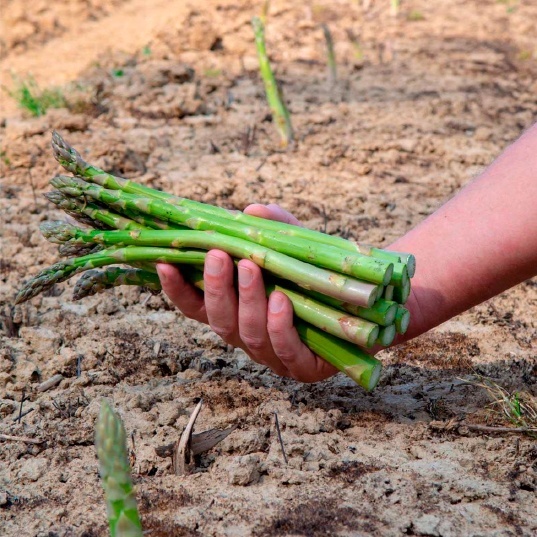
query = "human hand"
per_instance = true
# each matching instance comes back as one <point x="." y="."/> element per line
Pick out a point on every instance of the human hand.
<point x="262" y="327"/>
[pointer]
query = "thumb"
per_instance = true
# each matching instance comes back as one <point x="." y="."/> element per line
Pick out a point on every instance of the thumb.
<point x="272" y="212"/>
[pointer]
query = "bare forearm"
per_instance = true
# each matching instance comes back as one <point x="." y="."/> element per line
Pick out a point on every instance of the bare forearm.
<point x="480" y="243"/>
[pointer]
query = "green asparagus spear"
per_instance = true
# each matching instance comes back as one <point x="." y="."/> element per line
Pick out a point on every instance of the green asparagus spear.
<point x="95" y="281"/>
<point x="303" y="274"/>
<point x="356" y="265"/>
<point x="110" y="442"/>
<point x="280" y="113"/>
<point x="386" y="335"/>
<point x="330" y="56"/>
<point x="353" y="329"/>
<point x="71" y="160"/>
<point x="361" y="367"/>
<point x="97" y="214"/>
<point x="59" y="272"/>
<point x="402" y="319"/>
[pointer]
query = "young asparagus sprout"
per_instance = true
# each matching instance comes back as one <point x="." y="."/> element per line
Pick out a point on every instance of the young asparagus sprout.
<point x="330" y="56"/>
<point x="394" y="7"/>
<point x="110" y="442"/>
<point x="280" y="113"/>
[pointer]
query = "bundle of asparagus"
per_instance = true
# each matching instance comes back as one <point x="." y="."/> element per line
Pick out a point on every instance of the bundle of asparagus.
<point x="347" y="297"/>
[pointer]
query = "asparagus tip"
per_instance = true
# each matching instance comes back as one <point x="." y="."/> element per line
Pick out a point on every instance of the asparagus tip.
<point x="58" y="232"/>
<point x="67" y="156"/>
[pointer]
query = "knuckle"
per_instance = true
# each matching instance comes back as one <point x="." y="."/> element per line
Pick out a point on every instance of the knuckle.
<point x="248" y="299"/>
<point x="286" y="355"/>
<point x="254" y="343"/>
<point x="227" y="333"/>
<point x="277" y="330"/>
<point x="214" y="293"/>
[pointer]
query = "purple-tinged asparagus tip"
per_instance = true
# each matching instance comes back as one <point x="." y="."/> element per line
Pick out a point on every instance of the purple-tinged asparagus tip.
<point x="58" y="232"/>
<point x="67" y="156"/>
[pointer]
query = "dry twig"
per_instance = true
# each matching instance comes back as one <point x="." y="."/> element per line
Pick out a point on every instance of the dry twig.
<point x="20" y="439"/>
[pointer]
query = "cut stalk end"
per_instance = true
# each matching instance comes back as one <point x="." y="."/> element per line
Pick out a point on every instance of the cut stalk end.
<point x="386" y="335"/>
<point x="367" y="376"/>
<point x="402" y="320"/>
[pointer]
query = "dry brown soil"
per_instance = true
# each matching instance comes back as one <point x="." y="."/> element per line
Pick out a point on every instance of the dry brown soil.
<point x="168" y="93"/>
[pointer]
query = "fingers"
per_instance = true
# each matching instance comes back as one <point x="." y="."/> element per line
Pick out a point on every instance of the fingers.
<point x="271" y="212"/>
<point x="253" y="318"/>
<point x="188" y="299"/>
<point x="266" y="333"/>
<point x="301" y="363"/>
<point x="221" y="303"/>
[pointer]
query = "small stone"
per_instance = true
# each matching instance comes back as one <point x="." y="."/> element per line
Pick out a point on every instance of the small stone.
<point x="42" y="340"/>
<point x="33" y="469"/>
<point x="27" y="372"/>
<point x="427" y="525"/>
<point x="244" y="470"/>
<point x="189" y="374"/>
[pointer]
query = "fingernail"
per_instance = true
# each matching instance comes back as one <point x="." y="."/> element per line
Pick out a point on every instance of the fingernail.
<point x="213" y="265"/>
<point x="245" y="276"/>
<point x="276" y="303"/>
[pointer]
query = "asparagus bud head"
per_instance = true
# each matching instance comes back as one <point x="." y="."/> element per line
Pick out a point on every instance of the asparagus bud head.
<point x="58" y="232"/>
<point x="67" y="156"/>
<point x="70" y="186"/>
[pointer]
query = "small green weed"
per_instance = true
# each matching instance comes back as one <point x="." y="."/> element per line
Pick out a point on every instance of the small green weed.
<point x="510" y="5"/>
<point x="525" y="55"/>
<point x="415" y="15"/>
<point x="519" y="408"/>
<point x="33" y="99"/>
<point x="212" y="72"/>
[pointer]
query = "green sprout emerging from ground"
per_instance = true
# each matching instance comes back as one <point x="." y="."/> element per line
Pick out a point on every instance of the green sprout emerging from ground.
<point x="330" y="56"/>
<point x="33" y="99"/>
<point x="110" y="442"/>
<point x="280" y="113"/>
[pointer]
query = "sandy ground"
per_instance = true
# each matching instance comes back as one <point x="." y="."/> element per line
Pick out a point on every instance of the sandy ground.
<point x="168" y="93"/>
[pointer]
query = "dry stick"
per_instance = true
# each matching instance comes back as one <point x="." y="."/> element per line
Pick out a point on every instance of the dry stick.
<point x="181" y="456"/>
<point x="280" y="437"/>
<point x="490" y="429"/>
<point x="450" y="425"/>
<point x="23" y="398"/>
<point x="20" y="416"/>
<point x="50" y="383"/>
<point x="20" y="439"/>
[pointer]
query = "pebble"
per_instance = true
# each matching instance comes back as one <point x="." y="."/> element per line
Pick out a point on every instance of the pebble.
<point x="244" y="470"/>
<point x="33" y="469"/>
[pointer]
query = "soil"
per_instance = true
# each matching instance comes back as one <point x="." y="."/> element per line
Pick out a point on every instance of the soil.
<point x="168" y="93"/>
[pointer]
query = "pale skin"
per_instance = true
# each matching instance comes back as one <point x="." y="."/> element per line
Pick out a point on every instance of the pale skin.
<point x="478" y="244"/>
